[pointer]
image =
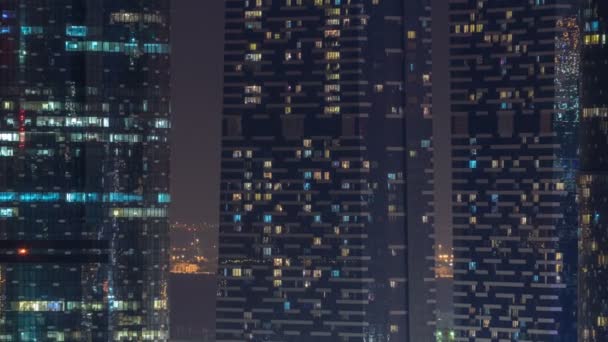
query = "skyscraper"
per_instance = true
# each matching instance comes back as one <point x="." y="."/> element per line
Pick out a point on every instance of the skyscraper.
<point x="593" y="180"/>
<point x="84" y="118"/>
<point x="316" y="214"/>
<point x="514" y="105"/>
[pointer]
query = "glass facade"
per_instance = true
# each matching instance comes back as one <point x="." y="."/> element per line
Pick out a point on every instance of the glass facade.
<point x="593" y="178"/>
<point x="84" y="118"/>
<point x="514" y="101"/>
<point x="316" y="161"/>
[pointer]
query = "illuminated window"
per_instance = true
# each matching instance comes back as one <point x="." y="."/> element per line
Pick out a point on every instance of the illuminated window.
<point x="332" y="55"/>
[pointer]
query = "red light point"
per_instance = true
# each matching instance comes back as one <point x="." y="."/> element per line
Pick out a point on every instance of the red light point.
<point x="22" y="251"/>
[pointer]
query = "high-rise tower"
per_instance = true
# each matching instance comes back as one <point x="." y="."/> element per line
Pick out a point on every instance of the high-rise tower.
<point x="84" y="118"/>
<point x="593" y="179"/>
<point x="317" y="156"/>
<point x="514" y="92"/>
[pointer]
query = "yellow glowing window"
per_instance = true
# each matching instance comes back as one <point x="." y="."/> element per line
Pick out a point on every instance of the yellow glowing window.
<point x="253" y="14"/>
<point x="586" y="219"/>
<point x="332" y="55"/>
<point x="332" y="110"/>
<point x="411" y="34"/>
<point x="160" y="304"/>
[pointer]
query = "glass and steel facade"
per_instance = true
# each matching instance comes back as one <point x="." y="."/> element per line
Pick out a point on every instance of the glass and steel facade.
<point x="593" y="178"/>
<point x="84" y="119"/>
<point x="316" y="154"/>
<point x="514" y="103"/>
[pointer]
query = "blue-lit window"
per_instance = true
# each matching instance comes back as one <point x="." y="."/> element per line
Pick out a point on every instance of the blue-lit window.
<point x="535" y="278"/>
<point x="307" y="175"/>
<point x="595" y="26"/>
<point x="425" y="143"/>
<point x="335" y="208"/>
<point x="267" y="218"/>
<point x="28" y="30"/>
<point x="7" y="196"/>
<point x="267" y="251"/>
<point x="39" y="197"/>
<point x="5" y="29"/>
<point x="596" y="218"/>
<point x="237" y="217"/>
<point x="8" y="212"/>
<point x="494" y="198"/>
<point x="392" y="176"/>
<point x="317" y="218"/>
<point x="8" y="14"/>
<point x="335" y="273"/>
<point x="472" y="164"/>
<point x="160" y="123"/>
<point x="345" y="218"/>
<point x="164" y="198"/>
<point x="76" y="31"/>
<point x="287" y="306"/>
<point x="122" y="197"/>
<point x="472" y="266"/>
<point x="156" y="48"/>
<point x="306" y="186"/>
<point x="75" y="197"/>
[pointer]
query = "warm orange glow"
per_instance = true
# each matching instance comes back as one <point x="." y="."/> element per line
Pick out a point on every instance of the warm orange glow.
<point x="22" y="251"/>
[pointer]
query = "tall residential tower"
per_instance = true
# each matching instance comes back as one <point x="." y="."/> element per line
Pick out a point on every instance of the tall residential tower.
<point x="84" y="118"/>
<point x="317" y="156"/>
<point x="514" y="107"/>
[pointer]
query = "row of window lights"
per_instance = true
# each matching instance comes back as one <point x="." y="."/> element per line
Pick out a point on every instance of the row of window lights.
<point x="116" y="197"/>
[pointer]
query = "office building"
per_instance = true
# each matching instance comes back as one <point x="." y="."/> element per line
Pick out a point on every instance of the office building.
<point x="315" y="226"/>
<point x="84" y="118"/>
<point x="514" y="91"/>
<point x="593" y="181"/>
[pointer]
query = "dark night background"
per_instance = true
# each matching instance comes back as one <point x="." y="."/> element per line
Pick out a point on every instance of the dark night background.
<point x="197" y="61"/>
